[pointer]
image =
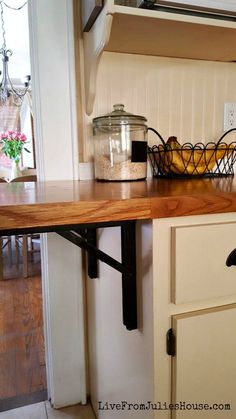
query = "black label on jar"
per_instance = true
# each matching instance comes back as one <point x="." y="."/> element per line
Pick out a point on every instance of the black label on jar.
<point x="139" y="152"/>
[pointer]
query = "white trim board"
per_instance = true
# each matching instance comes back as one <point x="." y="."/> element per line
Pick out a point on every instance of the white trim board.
<point x="53" y="91"/>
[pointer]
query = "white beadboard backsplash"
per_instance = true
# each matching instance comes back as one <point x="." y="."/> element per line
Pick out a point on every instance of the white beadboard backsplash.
<point x="178" y="97"/>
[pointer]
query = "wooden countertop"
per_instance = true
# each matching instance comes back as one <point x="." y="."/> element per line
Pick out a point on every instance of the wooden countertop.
<point x="43" y="204"/>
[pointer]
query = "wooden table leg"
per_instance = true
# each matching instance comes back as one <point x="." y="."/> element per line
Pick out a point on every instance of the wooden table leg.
<point x="1" y="260"/>
<point x="25" y="255"/>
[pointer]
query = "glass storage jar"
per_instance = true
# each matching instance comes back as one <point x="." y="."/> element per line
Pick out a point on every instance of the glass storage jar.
<point x="120" y="146"/>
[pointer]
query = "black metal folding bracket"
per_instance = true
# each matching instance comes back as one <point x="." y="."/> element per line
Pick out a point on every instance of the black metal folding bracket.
<point x="91" y="235"/>
<point x="86" y="238"/>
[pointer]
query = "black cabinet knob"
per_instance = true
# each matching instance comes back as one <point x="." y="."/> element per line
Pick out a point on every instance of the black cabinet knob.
<point x="231" y="259"/>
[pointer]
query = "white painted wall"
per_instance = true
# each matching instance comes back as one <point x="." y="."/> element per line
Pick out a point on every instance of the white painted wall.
<point x="179" y="97"/>
<point x="53" y="89"/>
<point x="121" y="361"/>
<point x="55" y="84"/>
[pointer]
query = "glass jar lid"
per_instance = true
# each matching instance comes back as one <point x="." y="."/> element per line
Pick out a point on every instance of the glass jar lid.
<point x="119" y="117"/>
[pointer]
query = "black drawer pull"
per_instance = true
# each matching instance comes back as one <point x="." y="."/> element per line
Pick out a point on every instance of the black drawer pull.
<point x="231" y="259"/>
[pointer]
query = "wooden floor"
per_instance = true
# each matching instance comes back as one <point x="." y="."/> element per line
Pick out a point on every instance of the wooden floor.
<point x="22" y="355"/>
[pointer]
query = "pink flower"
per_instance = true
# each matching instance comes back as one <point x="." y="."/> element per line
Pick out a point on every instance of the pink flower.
<point x="23" y="137"/>
<point x="13" y="135"/>
<point x="12" y="144"/>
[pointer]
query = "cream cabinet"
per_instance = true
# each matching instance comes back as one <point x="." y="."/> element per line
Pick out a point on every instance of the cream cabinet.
<point x="184" y="350"/>
<point x="195" y="316"/>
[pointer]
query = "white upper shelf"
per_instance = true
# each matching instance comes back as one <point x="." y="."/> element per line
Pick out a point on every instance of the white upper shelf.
<point x="148" y="32"/>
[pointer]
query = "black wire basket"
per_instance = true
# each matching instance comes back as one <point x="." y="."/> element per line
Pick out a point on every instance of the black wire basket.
<point x="171" y="159"/>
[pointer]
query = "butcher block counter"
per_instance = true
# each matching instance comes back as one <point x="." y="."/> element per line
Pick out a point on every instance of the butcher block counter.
<point x="63" y="203"/>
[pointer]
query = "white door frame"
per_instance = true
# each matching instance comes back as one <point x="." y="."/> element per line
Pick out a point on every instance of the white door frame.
<point x="54" y="109"/>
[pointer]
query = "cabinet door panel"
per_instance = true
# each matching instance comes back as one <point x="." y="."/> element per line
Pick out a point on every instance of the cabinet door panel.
<point x="199" y="271"/>
<point x="204" y="368"/>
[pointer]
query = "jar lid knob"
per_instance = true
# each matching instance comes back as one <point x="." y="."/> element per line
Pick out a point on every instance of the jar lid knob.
<point x="118" y="107"/>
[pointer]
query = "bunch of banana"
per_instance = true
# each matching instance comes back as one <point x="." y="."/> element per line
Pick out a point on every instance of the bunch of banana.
<point x="190" y="161"/>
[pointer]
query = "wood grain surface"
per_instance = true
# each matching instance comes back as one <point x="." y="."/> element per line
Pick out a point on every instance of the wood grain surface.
<point x="43" y="204"/>
<point x="22" y="357"/>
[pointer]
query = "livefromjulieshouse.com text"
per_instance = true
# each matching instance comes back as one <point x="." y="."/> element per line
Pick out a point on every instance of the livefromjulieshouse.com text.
<point x="124" y="405"/>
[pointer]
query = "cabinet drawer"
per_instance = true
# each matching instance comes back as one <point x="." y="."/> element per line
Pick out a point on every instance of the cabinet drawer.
<point x="198" y="262"/>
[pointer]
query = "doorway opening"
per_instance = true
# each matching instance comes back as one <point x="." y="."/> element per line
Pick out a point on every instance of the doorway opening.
<point x="22" y="353"/>
<point x="22" y="349"/>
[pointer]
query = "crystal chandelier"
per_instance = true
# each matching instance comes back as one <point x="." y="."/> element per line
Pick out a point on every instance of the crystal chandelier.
<point x="7" y="90"/>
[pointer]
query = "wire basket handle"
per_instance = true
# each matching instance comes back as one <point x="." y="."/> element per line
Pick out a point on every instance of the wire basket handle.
<point x="165" y="145"/>
<point x="226" y="133"/>
<point x="159" y="135"/>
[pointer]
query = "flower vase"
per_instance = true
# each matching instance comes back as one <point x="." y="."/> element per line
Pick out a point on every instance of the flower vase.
<point x="15" y="170"/>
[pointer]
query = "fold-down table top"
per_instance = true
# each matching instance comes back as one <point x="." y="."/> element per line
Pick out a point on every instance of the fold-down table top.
<point x="39" y="205"/>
